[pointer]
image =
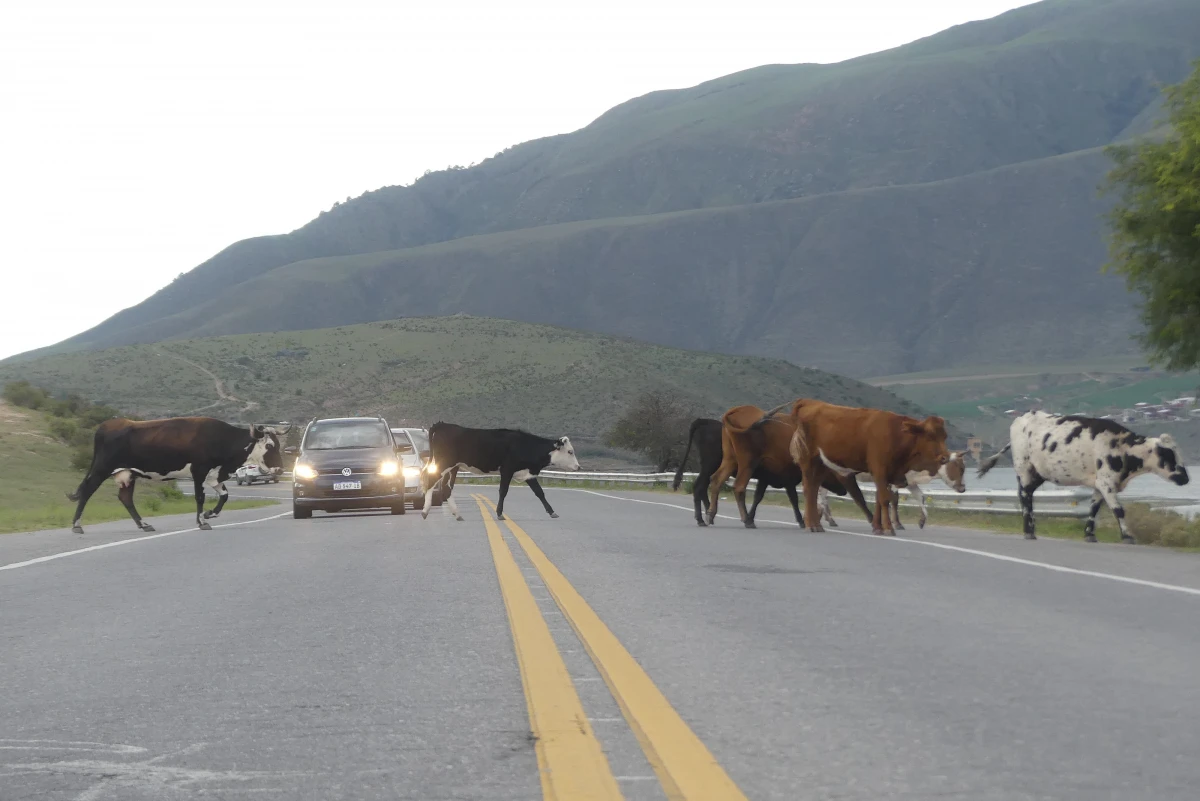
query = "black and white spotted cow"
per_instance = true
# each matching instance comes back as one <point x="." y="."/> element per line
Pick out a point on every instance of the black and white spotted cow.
<point x="1075" y="451"/>
<point x="203" y="449"/>
<point x="515" y="454"/>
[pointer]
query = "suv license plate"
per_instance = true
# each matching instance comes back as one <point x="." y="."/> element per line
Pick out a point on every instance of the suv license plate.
<point x="346" y="485"/>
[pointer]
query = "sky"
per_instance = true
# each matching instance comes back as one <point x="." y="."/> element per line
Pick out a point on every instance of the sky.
<point x="141" y="138"/>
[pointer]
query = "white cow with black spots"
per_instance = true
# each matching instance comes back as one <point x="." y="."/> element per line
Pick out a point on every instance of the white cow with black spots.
<point x="1077" y="451"/>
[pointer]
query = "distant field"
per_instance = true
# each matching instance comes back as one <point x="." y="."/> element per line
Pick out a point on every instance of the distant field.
<point x="35" y="475"/>
<point x="476" y="371"/>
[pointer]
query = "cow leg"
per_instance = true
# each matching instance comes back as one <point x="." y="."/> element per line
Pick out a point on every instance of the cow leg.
<point x="1114" y="503"/>
<point x="882" y="522"/>
<point x="87" y="488"/>
<point x="760" y="490"/>
<point x="218" y="486"/>
<point x="198" y="482"/>
<point x="739" y="493"/>
<point x="860" y="500"/>
<point x="1089" y="528"/>
<point x="794" y="500"/>
<point x="505" y="480"/>
<point x="826" y="511"/>
<point x="919" y="494"/>
<point x="700" y="495"/>
<point x="1025" y="488"/>
<point x="813" y="474"/>
<point x="893" y="509"/>
<point x="537" y="490"/>
<point x="717" y="481"/>
<point x="125" y="481"/>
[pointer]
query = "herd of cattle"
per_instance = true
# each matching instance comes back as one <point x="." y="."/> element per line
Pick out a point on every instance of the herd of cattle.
<point x="819" y="446"/>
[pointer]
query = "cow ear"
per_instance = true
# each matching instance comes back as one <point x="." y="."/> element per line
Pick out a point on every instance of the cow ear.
<point x="913" y="427"/>
<point x="1167" y="440"/>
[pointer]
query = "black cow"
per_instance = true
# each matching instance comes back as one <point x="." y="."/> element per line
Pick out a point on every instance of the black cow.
<point x="516" y="454"/>
<point x="201" y="448"/>
<point x="706" y="433"/>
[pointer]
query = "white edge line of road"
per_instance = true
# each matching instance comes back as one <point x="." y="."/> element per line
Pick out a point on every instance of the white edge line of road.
<point x="115" y="543"/>
<point x="999" y="557"/>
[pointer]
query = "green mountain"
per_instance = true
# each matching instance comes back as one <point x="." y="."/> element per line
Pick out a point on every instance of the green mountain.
<point x="468" y="370"/>
<point x="929" y="206"/>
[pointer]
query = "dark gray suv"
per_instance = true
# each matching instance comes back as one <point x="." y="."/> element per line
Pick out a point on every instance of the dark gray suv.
<point x="349" y="463"/>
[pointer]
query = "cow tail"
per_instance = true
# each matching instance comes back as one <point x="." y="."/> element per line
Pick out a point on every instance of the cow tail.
<point x="74" y="496"/>
<point x="683" y="464"/>
<point x="991" y="461"/>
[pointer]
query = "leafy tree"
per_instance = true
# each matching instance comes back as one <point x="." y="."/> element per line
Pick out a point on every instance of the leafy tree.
<point x="1154" y="239"/>
<point x="656" y="425"/>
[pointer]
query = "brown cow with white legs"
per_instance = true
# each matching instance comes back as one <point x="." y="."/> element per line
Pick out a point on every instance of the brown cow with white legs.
<point x="845" y="440"/>
<point x="756" y="442"/>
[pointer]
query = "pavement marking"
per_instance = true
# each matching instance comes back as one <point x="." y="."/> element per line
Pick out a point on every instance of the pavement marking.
<point x="115" y="543"/>
<point x="999" y="557"/>
<point x="685" y="767"/>
<point x="570" y="760"/>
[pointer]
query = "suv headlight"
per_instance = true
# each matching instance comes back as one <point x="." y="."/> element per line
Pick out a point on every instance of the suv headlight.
<point x="389" y="468"/>
<point x="303" y="471"/>
<point x="412" y="472"/>
<point x="431" y="469"/>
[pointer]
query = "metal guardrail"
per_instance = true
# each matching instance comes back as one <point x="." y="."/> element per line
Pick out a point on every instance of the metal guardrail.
<point x="1057" y="502"/>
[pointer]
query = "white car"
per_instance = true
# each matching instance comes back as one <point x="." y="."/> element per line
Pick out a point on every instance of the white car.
<point x="249" y="473"/>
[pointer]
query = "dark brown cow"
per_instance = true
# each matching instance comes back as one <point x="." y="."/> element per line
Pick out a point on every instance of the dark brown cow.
<point x="757" y="442"/>
<point x="203" y="449"/>
<point x="845" y="440"/>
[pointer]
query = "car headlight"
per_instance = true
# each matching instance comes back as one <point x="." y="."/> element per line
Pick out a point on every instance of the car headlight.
<point x="389" y="468"/>
<point x="412" y="472"/>
<point x="431" y="469"/>
<point x="303" y="471"/>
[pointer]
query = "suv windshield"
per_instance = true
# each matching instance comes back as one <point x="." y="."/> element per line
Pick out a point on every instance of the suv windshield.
<point x="327" y="435"/>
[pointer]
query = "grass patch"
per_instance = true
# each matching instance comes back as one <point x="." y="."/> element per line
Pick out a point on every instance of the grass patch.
<point x="36" y="474"/>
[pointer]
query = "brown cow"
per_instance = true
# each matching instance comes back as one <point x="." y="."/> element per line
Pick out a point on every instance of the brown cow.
<point x="846" y="440"/>
<point x="756" y="441"/>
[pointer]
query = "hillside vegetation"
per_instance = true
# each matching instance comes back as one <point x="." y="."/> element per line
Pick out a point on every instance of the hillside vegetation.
<point x="472" y="371"/>
<point x="929" y="206"/>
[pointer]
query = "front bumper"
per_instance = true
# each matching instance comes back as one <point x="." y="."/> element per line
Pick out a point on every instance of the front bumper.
<point x="376" y="492"/>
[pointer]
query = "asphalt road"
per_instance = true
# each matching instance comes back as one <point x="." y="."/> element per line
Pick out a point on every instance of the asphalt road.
<point x="375" y="656"/>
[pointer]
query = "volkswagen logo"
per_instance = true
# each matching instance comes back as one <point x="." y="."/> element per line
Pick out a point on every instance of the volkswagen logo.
<point x="346" y="471"/>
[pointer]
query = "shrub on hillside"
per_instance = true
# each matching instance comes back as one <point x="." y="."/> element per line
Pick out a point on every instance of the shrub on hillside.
<point x="24" y="394"/>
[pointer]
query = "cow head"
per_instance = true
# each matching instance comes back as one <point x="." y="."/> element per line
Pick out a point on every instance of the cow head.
<point x="954" y="471"/>
<point x="927" y="444"/>
<point x="563" y="455"/>
<point x="265" y="450"/>
<point x="1166" y="461"/>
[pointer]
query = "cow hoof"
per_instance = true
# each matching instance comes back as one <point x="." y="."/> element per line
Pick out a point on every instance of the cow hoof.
<point x="1127" y="539"/>
<point x="833" y="522"/>
<point x="816" y="529"/>
<point x="1031" y="536"/>
<point x="425" y="513"/>
<point x="750" y="524"/>
<point x="209" y="515"/>
<point x="499" y="516"/>
<point x="205" y="526"/>
<point x="899" y="527"/>
<point x="76" y="529"/>
<point x="921" y="524"/>
<point x="701" y="523"/>
<point x="147" y="527"/>
<point x="1089" y="537"/>
<point x="460" y="518"/>
<point x="553" y="514"/>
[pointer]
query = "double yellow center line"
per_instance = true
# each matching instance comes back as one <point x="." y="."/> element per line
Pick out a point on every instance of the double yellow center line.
<point x="570" y="758"/>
